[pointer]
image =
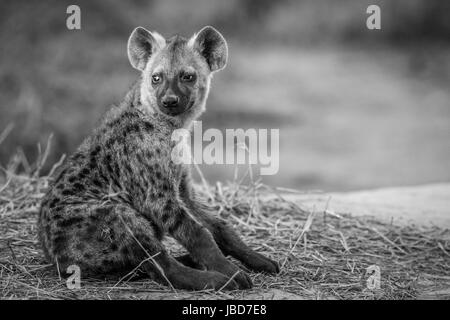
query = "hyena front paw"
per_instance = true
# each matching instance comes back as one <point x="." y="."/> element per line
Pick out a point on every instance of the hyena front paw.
<point x="259" y="263"/>
<point x="202" y="280"/>
<point x="232" y="271"/>
<point x="222" y="281"/>
<point x="243" y="279"/>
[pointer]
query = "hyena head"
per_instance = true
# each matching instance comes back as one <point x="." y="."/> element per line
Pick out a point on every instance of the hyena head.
<point x="176" y="73"/>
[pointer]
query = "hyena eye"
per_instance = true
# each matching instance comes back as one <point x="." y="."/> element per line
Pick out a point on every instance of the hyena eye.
<point x="156" y="78"/>
<point x="187" y="77"/>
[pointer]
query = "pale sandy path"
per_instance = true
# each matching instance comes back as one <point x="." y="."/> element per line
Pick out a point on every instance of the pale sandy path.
<point x="422" y="205"/>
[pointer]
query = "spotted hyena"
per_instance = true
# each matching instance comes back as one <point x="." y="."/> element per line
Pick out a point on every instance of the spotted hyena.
<point x="111" y="203"/>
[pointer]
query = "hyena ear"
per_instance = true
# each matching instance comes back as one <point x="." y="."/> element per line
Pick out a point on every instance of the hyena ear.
<point x="212" y="46"/>
<point x="141" y="45"/>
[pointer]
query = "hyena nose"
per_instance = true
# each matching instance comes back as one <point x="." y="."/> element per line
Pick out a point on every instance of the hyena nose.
<point x="170" y="101"/>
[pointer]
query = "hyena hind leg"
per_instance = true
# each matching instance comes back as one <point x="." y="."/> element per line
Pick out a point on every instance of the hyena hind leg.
<point x="116" y="238"/>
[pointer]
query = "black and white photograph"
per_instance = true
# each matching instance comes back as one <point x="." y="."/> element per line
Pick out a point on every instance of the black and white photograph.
<point x="254" y="152"/>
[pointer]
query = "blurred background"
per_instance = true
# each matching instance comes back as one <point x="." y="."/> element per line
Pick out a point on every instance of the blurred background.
<point x="356" y="108"/>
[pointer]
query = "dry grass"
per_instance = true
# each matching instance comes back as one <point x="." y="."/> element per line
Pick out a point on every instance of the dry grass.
<point x="323" y="254"/>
